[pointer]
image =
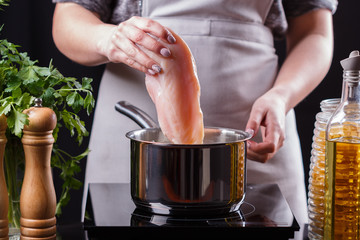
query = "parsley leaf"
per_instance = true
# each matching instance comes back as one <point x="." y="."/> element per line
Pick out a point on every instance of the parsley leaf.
<point x="16" y="121"/>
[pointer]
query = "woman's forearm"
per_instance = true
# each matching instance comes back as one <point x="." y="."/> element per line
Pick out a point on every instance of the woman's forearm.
<point x="76" y="33"/>
<point x="310" y="49"/>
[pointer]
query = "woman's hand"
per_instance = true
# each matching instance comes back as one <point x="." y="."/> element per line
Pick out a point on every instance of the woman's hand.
<point x="84" y="38"/>
<point x="309" y="53"/>
<point x="267" y="113"/>
<point x="125" y="41"/>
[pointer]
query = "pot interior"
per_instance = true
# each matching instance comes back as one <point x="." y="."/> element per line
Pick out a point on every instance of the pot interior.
<point x="212" y="136"/>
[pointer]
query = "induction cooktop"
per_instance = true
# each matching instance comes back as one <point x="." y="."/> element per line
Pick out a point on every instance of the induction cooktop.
<point x="264" y="214"/>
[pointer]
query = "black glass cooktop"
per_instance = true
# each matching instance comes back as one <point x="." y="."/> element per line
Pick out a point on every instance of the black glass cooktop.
<point x="264" y="214"/>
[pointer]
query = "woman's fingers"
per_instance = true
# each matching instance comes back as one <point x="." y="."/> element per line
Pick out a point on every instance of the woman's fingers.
<point x="141" y="37"/>
<point x="131" y="38"/>
<point x="263" y="151"/>
<point x="134" y="57"/>
<point x="273" y="137"/>
<point x="268" y="114"/>
<point x="152" y="27"/>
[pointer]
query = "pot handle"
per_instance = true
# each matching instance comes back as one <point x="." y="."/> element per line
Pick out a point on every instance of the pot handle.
<point x="136" y="114"/>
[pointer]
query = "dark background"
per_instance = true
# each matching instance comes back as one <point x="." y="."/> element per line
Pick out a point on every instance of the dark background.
<point x="28" y="23"/>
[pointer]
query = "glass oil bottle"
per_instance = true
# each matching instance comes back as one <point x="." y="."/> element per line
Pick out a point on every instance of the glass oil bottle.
<point x="316" y="194"/>
<point x="342" y="164"/>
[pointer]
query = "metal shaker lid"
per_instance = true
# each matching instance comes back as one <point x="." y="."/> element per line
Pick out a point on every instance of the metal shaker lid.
<point x="352" y="62"/>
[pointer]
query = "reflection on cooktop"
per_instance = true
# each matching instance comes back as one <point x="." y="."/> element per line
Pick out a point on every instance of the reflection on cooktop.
<point x="111" y="209"/>
<point x="142" y="218"/>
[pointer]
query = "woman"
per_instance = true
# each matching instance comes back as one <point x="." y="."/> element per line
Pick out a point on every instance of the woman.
<point x="241" y="85"/>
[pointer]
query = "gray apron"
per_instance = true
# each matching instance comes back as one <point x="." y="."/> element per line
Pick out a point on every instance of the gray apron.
<point x="236" y="64"/>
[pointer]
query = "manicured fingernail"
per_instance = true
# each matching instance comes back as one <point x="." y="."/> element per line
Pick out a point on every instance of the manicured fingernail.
<point x="151" y="72"/>
<point x="156" y="68"/>
<point x="165" y="52"/>
<point x="250" y="131"/>
<point x="171" y="38"/>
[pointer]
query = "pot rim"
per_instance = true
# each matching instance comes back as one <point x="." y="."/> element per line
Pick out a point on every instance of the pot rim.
<point x="243" y="137"/>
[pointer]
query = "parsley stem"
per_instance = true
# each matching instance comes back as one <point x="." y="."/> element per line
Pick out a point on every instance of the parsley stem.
<point x="73" y="89"/>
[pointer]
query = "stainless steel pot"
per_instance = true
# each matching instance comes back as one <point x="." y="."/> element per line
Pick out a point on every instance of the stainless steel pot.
<point x="183" y="179"/>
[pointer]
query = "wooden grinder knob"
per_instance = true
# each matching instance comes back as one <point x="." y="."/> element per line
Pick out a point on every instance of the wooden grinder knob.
<point x="4" y="201"/>
<point x="38" y="199"/>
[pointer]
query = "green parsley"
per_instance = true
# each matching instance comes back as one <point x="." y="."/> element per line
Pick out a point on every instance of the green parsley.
<point x="21" y="81"/>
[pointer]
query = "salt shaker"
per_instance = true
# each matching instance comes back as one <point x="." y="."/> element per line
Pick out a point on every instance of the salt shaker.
<point x="38" y="199"/>
<point x="4" y="201"/>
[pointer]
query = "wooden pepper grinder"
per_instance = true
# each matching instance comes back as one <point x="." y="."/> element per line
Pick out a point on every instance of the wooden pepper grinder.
<point x="38" y="199"/>
<point x="4" y="200"/>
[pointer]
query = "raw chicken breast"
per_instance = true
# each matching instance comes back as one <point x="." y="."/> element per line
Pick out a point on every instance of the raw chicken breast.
<point x="176" y="94"/>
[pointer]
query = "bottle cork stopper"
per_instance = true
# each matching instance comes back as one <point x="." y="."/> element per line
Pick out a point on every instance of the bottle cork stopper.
<point x="352" y="62"/>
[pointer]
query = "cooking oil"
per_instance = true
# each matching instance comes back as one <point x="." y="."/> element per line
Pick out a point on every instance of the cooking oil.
<point x="342" y="159"/>
<point x="342" y="197"/>
<point x="316" y="194"/>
